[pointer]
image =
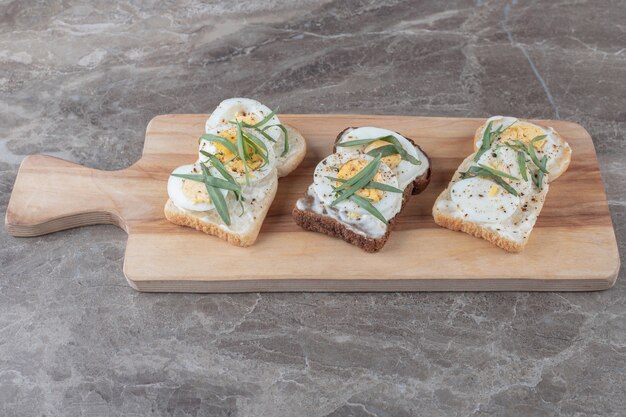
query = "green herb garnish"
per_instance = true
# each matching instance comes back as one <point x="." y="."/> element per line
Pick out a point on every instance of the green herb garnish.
<point x="242" y="151"/>
<point x="523" y="150"/>
<point x="372" y="184"/>
<point x="365" y="203"/>
<point x="498" y="173"/>
<point x="533" y="154"/>
<point x="223" y="141"/>
<point x="486" y="142"/>
<point x="265" y="119"/>
<point x="262" y="129"/>
<point x="395" y="148"/>
<point x="489" y="137"/>
<point x="540" y="173"/>
<point x="492" y="174"/>
<point x="363" y="179"/>
<point x="222" y="170"/>
<point x="521" y="161"/>
<point x="285" y="133"/>
<point x="212" y="181"/>
<point x="357" y="182"/>
<point x="216" y="196"/>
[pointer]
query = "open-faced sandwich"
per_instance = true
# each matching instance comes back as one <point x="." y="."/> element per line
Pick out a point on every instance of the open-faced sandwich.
<point x="229" y="189"/>
<point x="498" y="191"/>
<point x="359" y="190"/>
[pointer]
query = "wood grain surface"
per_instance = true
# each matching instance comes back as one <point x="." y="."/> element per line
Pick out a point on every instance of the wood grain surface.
<point x="572" y="247"/>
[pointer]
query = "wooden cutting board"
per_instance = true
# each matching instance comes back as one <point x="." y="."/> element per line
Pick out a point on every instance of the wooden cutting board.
<point x="572" y="248"/>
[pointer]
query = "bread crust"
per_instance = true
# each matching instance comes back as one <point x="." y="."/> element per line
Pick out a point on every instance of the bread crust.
<point x="315" y="222"/>
<point x="186" y="219"/>
<point x="476" y="230"/>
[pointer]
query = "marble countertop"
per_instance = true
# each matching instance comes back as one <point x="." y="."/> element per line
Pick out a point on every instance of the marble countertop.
<point x="81" y="81"/>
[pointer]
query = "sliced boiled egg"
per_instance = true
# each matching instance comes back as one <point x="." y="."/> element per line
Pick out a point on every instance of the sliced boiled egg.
<point x="189" y="194"/>
<point x="353" y="167"/>
<point x="482" y="200"/>
<point x="248" y="111"/>
<point x="524" y="131"/>
<point x="345" y="166"/>
<point x="257" y="167"/>
<point x="403" y="169"/>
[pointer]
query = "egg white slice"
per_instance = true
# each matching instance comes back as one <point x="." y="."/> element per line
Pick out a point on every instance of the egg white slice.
<point x="474" y="199"/>
<point x="405" y="171"/>
<point x="175" y="189"/>
<point x="389" y="204"/>
<point x="229" y="109"/>
<point x="254" y="176"/>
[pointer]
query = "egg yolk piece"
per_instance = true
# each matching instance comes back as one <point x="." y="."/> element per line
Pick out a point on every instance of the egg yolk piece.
<point x="524" y="132"/>
<point x="353" y="167"/>
<point x="196" y="192"/>
<point x="231" y="160"/>
<point x="392" y="161"/>
<point x="244" y="117"/>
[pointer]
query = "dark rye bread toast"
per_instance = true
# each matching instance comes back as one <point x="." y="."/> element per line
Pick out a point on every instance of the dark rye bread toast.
<point x="320" y="223"/>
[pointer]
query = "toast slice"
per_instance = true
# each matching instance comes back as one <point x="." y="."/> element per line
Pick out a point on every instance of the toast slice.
<point x="244" y="229"/>
<point x="511" y="233"/>
<point x="312" y="216"/>
<point x="446" y="215"/>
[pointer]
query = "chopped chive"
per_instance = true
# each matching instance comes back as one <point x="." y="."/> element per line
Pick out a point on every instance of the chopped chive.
<point x="366" y="171"/>
<point x="214" y="138"/>
<point x="285" y="133"/>
<point x="216" y="196"/>
<point x="242" y="152"/>
<point x="521" y="161"/>
<point x="540" y="173"/>
<point x="384" y="151"/>
<point x="534" y="158"/>
<point x="222" y="170"/>
<point x="498" y="173"/>
<point x="372" y="184"/>
<point x="351" y="186"/>
<point x="212" y="181"/>
<point x="475" y="171"/>
<point x="265" y="119"/>
<point x="486" y="142"/>
<point x="399" y="149"/>
<point x="368" y="206"/>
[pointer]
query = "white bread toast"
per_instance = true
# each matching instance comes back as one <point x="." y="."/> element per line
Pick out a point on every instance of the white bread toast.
<point x="511" y="234"/>
<point x="244" y="229"/>
<point x="450" y="218"/>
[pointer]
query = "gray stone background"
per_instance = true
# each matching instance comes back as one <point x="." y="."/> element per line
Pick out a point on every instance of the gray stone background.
<point x="80" y="80"/>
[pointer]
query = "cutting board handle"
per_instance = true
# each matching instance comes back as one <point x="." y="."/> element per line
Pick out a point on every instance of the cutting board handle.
<point x="51" y="194"/>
